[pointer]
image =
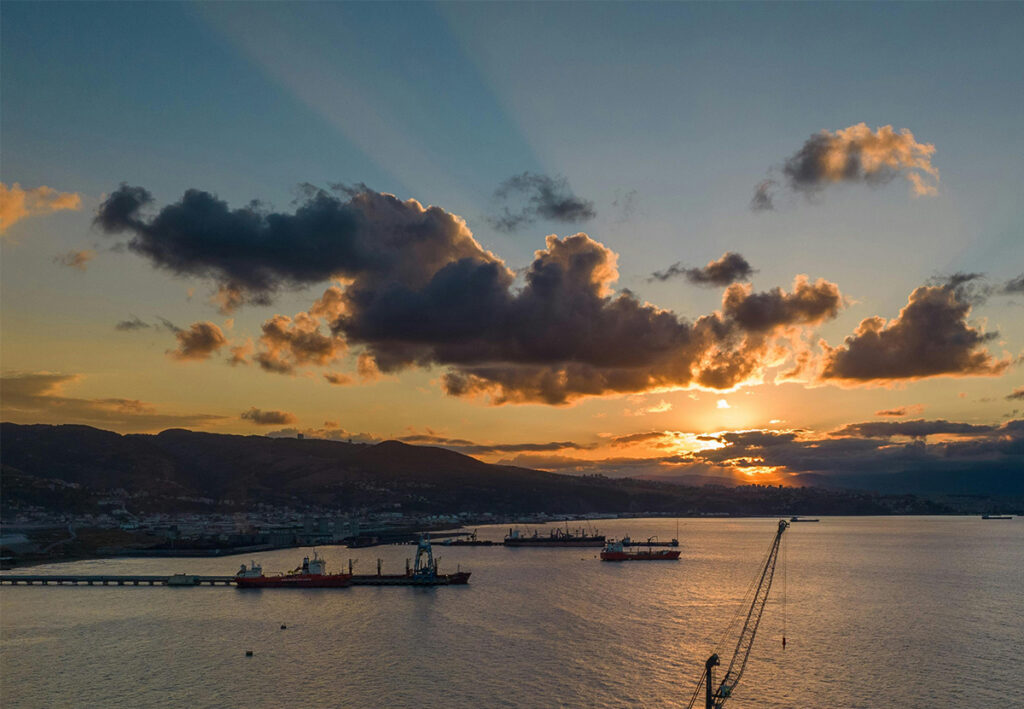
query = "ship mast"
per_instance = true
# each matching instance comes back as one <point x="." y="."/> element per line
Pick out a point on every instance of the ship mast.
<point x="714" y="697"/>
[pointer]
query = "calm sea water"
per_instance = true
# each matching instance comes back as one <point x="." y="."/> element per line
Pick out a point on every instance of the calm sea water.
<point x="878" y="612"/>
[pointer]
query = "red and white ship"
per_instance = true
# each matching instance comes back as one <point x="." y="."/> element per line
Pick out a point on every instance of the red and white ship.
<point x="312" y="574"/>
<point x="616" y="551"/>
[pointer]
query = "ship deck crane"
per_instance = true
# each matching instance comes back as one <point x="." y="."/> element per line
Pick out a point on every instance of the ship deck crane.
<point x="715" y="697"/>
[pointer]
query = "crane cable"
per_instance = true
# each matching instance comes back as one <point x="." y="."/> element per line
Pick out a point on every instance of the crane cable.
<point x="785" y="588"/>
<point x="696" y="691"/>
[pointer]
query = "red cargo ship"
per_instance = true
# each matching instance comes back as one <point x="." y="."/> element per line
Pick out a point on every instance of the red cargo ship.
<point x="312" y="574"/>
<point x="615" y="551"/>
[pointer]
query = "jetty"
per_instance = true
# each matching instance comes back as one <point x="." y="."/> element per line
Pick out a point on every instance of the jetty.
<point x="106" y="580"/>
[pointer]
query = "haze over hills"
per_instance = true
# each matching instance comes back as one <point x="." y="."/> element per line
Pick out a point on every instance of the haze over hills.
<point x="70" y="467"/>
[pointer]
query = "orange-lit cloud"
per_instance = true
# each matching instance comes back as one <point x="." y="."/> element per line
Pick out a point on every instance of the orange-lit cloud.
<point x="659" y="408"/>
<point x="417" y="290"/>
<point x="929" y="338"/>
<point x="17" y="203"/>
<point x="200" y="341"/>
<point x="38" y="397"/>
<point x="288" y="343"/>
<point x="854" y="154"/>
<point x="76" y="259"/>
<point x="912" y="410"/>
<point x="267" y="418"/>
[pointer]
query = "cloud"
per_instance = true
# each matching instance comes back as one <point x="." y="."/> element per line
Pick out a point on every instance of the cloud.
<point x="288" y="343"/>
<point x="415" y="289"/>
<point x="534" y="196"/>
<point x="200" y="341"/>
<point x="762" y="199"/>
<point x="331" y="432"/>
<point x="267" y="418"/>
<point x="38" y="397"/>
<point x="132" y="324"/>
<point x="250" y="254"/>
<point x="1016" y="394"/>
<point x="1014" y="285"/>
<point x="337" y="378"/>
<point x="75" y="259"/>
<point x="860" y="450"/>
<point x="854" y="154"/>
<point x="930" y="338"/>
<point x="808" y="304"/>
<point x="914" y="409"/>
<point x="659" y="408"/>
<point x="913" y="429"/>
<point x="17" y="203"/>
<point x="729" y="268"/>
<point x="471" y="448"/>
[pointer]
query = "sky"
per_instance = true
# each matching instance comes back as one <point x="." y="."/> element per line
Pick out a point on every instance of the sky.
<point x="735" y="240"/>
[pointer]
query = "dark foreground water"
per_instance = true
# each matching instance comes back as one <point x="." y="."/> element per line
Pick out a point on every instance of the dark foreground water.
<point x="879" y="612"/>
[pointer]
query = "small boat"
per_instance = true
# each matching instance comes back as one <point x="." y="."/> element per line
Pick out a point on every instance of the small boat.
<point x="616" y="551"/>
<point x="312" y="574"/>
<point x="804" y="519"/>
<point x="997" y="516"/>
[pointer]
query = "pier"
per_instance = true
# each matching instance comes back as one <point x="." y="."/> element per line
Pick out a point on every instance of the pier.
<point x="102" y="580"/>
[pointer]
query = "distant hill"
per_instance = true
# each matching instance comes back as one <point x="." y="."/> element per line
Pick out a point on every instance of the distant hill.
<point x="183" y="469"/>
<point x="69" y="469"/>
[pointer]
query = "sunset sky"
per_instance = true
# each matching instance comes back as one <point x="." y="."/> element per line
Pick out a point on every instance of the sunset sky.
<point x="666" y="239"/>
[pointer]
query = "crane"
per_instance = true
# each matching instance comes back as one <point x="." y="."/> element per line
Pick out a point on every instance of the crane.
<point x="715" y="697"/>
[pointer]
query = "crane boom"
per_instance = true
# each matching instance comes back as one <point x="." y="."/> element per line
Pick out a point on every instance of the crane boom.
<point x="715" y="697"/>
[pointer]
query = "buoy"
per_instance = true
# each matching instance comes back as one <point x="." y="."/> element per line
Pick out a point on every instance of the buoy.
<point x="284" y="627"/>
<point x="248" y="653"/>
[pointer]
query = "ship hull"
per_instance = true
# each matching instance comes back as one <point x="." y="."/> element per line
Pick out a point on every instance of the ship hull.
<point x="457" y="579"/>
<point x="666" y="555"/>
<point x="296" y="581"/>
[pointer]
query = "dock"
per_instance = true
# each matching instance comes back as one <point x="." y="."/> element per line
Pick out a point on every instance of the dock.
<point x="100" y="580"/>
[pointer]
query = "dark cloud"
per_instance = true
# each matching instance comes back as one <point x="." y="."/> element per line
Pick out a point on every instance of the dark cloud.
<point x="930" y="338"/>
<point x="1014" y="285"/>
<point x="267" y="418"/>
<point x="1016" y="394"/>
<point x="913" y="429"/>
<point x="530" y="196"/>
<point x="854" y="154"/>
<point x="867" y="460"/>
<point x="135" y="323"/>
<point x="250" y="253"/>
<point x="168" y="325"/>
<point x="729" y="268"/>
<point x="417" y="290"/>
<point x="969" y="287"/>
<point x="38" y="397"/>
<point x="200" y="341"/>
<point x="642" y="437"/>
<point x="471" y="448"/>
<point x="337" y="379"/>
<point x="762" y="200"/>
<point x="808" y="304"/>
<point x="901" y="411"/>
<point x="864" y="456"/>
<point x="132" y="324"/>
<point x="75" y="259"/>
